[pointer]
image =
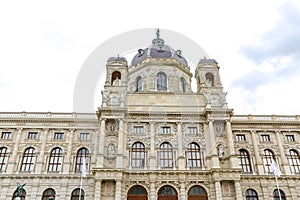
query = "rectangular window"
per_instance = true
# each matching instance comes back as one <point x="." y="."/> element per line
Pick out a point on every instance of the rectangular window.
<point x="265" y="138"/>
<point x="240" y="137"/>
<point x="58" y="136"/>
<point x="84" y="136"/>
<point x="165" y="130"/>
<point x="138" y="129"/>
<point x="192" y="130"/>
<point x="290" y="138"/>
<point x="32" y="135"/>
<point x="5" y="135"/>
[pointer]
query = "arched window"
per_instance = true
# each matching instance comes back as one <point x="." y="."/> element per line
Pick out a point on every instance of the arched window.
<point x="28" y="160"/>
<point x="3" y="158"/>
<point x="209" y="79"/>
<point x="138" y="155"/>
<point x="197" y="192"/>
<point x="276" y="195"/>
<point x="55" y="160"/>
<point x="161" y="82"/>
<point x="82" y="153"/>
<point x="116" y="78"/>
<point x="22" y="195"/>
<point x="182" y="85"/>
<point x="267" y="160"/>
<point x="48" y="194"/>
<point x="137" y="192"/>
<point x="76" y="193"/>
<point x="138" y="84"/>
<point x="166" y="155"/>
<point x="251" y="194"/>
<point x="194" y="156"/>
<point x="167" y="192"/>
<point x="244" y="161"/>
<point x="294" y="161"/>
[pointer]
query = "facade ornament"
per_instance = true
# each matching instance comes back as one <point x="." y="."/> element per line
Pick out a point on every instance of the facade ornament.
<point x="111" y="150"/>
<point x="221" y="151"/>
<point x="117" y="81"/>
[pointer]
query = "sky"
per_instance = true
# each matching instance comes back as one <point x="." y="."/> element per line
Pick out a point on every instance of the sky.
<point x="43" y="45"/>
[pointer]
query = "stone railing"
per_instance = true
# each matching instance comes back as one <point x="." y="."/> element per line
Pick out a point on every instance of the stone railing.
<point x="275" y="118"/>
<point x="48" y="115"/>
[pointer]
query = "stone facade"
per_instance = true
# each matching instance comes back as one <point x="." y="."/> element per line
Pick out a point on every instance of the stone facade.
<point x="151" y="138"/>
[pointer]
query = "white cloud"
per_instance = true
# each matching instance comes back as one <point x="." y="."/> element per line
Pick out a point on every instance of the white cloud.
<point x="43" y="44"/>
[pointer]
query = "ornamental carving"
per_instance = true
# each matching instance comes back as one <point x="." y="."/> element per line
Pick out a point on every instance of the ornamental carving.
<point x="219" y="128"/>
<point x="144" y="140"/>
<point x="171" y="139"/>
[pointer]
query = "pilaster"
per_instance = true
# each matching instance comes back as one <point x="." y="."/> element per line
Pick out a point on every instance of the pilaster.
<point x="284" y="161"/>
<point x="118" y="190"/>
<point x="119" y="161"/>
<point x="67" y="162"/>
<point x="100" y="158"/>
<point x="12" y="159"/>
<point x="259" y="164"/>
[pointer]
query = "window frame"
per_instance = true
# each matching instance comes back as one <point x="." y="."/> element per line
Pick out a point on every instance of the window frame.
<point x="290" y="138"/>
<point x="240" y="137"/>
<point x="165" y="130"/>
<point x="161" y="82"/>
<point x="138" y="155"/>
<point x="55" y="160"/>
<point x="265" y="137"/>
<point x="294" y="161"/>
<point x="59" y="136"/>
<point x="244" y="161"/>
<point x="3" y="158"/>
<point x="251" y="194"/>
<point x="85" y="136"/>
<point x="82" y="153"/>
<point x="32" y="135"/>
<point x="193" y="155"/>
<point x="6" y="135"/>
<point x="28" y="160"/>
<point x="166" y="157"/>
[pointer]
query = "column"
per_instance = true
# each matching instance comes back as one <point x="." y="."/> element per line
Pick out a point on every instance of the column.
<point x="152" y="156"/>
<point x="12" y="159"/>
<point x="41" y="157"/>
<point x="67" y="161"/>
<point x="218" y="190"/>
<point x="182" y="191"/>
<point x="152" y="191"/>
<point x="238" y="191"/>
<point x="118" y="190"/>
<point x="119" y="161"/>
<point x="100" y="158"/>
<point x="213" y="150"/>
<point x="284" y="162"/>
<point x="97" y="190"/>
<point x="259" y="164"/>
<point x="233" y="158"/>
<point x="181" y="158"/>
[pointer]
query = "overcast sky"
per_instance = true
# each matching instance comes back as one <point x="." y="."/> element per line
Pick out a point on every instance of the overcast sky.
<point x="43" y="46"/>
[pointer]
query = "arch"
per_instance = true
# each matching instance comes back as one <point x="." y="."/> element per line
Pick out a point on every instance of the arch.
<point x="161" y="82"/>
<point x="28" y="160"/>
<point x="182" y="85"/>
<point x="116" y="78"/>
<point x="244" y="161"/>
<point x="138" y="84"/>
<point x="3" y="158"/>
<point x="276" y="195"/>
<point x="294" y="161"/>
<point x="268" y="158"/>
<point x="194" y="155"/>
<point x="55" y="160"/>
<point x="209" y="79"/>
<point x="197" y="192"/>
<point x="166" y="155"/>
<point x="137" y="192"/>
<point x="48" y="193"/>
<point x="22" y="195"/>
<point x="167" y="192"/>
<point x="251" y="194"/>
<point x="138" y="155"/>
<point x="76" y="193"/>
<point x="82" y="153"/>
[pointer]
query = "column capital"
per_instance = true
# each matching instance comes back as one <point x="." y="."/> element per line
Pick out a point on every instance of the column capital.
<point x="19" y="129"/>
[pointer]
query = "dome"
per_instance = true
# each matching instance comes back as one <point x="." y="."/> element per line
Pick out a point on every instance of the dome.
<point x="158" y="49"/>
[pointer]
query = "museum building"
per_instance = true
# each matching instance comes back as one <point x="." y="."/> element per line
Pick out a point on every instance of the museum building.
<point x="151" y="138"/>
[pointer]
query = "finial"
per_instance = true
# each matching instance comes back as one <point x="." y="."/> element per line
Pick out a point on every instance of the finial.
<point x="157" y="33"/>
